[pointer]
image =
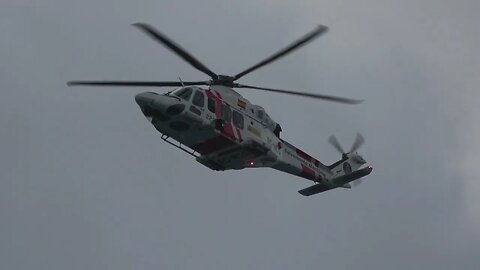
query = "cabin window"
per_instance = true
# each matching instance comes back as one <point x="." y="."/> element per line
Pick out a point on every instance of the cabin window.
<point x="199" y="99"/>
<point x="211" y="105"/>
<point x="237" y="119"/>
<point x="226" y="113"/>
<point x="260" y="114"/>
<point x="184" y="93"/>
<point x="277" y="130"/>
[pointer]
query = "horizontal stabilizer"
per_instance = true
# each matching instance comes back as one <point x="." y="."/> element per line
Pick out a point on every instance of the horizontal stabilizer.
<point x="315" y="189"/>
<point x="337" y="182"/>
<point x="347" y="185"/>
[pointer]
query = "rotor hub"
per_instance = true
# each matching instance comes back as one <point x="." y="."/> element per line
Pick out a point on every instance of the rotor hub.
<point x="224" y="80"/>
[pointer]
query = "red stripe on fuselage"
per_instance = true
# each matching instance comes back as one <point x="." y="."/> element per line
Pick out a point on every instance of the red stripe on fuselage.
<point x="304" y="155"/>
<point x="307" y="157"/>
<point x="307" y="173"/>
<point x="228" y="130"/>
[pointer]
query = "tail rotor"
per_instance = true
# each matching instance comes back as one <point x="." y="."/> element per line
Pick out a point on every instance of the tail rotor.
<point x="359" y="141"/>
<point x="334" y="142"/>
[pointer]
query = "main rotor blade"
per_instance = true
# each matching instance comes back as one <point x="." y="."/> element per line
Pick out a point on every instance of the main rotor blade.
<point x="333" y="141"/>
<point x="135" y="83"/>
<point x="359" y="140"/>
<point x="295" y="45"/>
<point x="175" y="48"/>
<point x="303" y="94"/>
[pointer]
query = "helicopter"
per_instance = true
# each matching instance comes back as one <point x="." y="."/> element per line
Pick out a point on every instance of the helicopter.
<point x="223" y="130"/>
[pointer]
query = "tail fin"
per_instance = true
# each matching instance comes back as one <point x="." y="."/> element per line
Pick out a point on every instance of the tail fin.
<point x="349" y="163"/>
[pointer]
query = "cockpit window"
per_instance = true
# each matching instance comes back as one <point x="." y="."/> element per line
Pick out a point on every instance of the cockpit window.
<point x="184" y="93"/>
<point x="199" y="99"/>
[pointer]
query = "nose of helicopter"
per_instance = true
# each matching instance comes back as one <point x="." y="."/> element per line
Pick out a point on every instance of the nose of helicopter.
<point x="163" y="106"/>
<point x="145" y="102"/>
<point x="144" y="99"/>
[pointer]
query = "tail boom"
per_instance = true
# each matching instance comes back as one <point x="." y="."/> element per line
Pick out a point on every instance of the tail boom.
<point x="294" y="161"/>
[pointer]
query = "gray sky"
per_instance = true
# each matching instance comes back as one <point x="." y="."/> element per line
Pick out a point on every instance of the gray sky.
<point x="86" y="182"/>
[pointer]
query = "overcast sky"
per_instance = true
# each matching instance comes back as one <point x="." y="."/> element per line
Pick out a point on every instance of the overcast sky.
<point x="86" y="182"/>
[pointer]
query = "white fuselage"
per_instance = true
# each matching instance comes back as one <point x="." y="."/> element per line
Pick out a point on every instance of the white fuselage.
<point x="226" y="131"/>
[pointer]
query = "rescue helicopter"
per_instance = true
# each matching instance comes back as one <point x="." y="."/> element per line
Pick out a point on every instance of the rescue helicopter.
<point x="223" y="130"/>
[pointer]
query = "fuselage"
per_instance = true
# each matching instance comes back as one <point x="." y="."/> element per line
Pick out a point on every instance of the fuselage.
<point x="227" y="132"/>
